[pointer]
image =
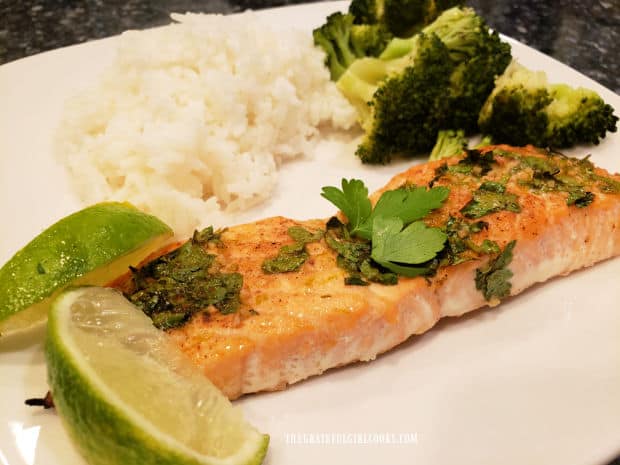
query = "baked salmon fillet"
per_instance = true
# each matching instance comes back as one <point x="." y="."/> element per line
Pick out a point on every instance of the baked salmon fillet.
<point x="513" y="217"/>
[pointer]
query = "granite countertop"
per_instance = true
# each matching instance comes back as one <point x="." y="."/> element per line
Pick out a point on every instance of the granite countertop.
<point x="584" y="34"/>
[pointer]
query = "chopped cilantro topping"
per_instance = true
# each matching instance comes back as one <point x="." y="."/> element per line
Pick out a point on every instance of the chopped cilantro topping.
<point x="460" y="243"/>
<point x="552" y="176"/>
<point x="493" y="279"/>
<point x="580" y="198"/>
<point x="490" y="197"/>
<point x="541" y="166"/>
<point x="354" y="256"/>
<point x="440" y="171"/>
<point x="487" y="247"/>
<point x="292" y="256"/>
<point x="167" y="320"/>
<point x="171" y="288"/>
<point x="476" y="163"/>
<point x="607" y="185"/>
<point x="355" y="281"/>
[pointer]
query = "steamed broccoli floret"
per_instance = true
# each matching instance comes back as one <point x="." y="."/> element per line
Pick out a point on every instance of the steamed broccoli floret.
<point x="472" y="81"/>
<point x="334" y="38"/>
<point x="480" y="55"/>
<point x="406" y="109"/>
<point x="367" y="11"/>
<point x="461" y="29"/>
<point x="404" y="100"/>
<point x="369" y="39"/>
<point x="344" y="42"/>
<point x="400" y="17"/>
<point x="449" y="143"/>
<point x="525" y="109"/>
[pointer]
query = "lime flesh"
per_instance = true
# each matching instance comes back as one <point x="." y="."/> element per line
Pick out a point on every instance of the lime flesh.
<point x="91" y="246"/>
<point x="126" y="395"/>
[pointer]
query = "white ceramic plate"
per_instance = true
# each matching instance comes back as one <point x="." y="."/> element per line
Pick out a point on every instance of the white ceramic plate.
<point x="535" y="381"/>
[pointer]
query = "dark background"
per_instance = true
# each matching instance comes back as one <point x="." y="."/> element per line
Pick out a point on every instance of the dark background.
<point x="583" y="34"/>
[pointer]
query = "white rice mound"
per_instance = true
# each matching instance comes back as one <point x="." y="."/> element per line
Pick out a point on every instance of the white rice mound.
<point x="195" y="118"/>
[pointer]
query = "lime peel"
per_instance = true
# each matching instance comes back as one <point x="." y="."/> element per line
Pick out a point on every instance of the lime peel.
<point x="110" y="372"/>
<point x="91" y="246"/>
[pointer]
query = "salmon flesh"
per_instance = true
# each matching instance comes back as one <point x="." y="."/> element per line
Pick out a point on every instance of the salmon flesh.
<point x="293" y="325"/>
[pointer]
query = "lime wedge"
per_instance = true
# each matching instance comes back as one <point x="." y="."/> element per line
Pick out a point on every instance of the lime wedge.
<point x="92" y="246"/>
<point x="127" y="395"/>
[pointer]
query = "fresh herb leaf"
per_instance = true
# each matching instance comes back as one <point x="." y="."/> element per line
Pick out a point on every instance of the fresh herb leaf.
<point x="410" y="271"/>
<point x="292" y="256"/>
<point x="475" y="162"/>
<point x="402" y="241"/>
<point x="167" y="320"/>
<point x="459" y="241"/>
<point x="394" y="247"/>
<point x="231" y="284"/>
<point x="354" y="256"/>
<point x="171" y="288"/>
<point x="374" y="273"/>
<point x="440" y="171"/>
<point x="289" y="258"/>
<point x="407" y="203"/>
<point x="541" y="165"/>
<point x="493" y="279"/>
<point x="303" y="236"/>
<point x="208" y="235"/>
<point x="607" y="185"/>
<point x="492" y="186"/>
<point x="355" y="281"/>
<point x="410" y="204"/>
<point x="487" y="247"/>
<point x="558" y="173"/>
<point x="415" y="244"/>
<point x="353" y="251"/>
<point x="580" y="198"/>
<point x="352" y="200"/>
<point x="490" y="197"/>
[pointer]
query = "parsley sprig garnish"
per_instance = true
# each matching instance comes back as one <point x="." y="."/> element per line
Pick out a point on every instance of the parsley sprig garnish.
<point x="400" y="241"/>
